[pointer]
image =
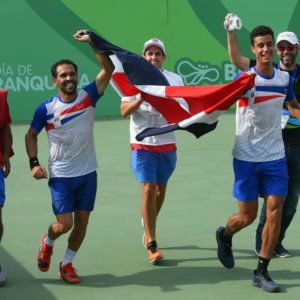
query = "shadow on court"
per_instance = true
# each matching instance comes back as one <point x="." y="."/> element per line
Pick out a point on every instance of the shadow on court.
<point x="170" y="279"/>
<point x="20" y="283"/>
<point x="249" y="252"/>
<point x="110" y="269"/>
<point x="167" y="277"/>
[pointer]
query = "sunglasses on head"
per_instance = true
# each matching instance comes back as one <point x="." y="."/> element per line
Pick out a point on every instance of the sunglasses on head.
<point x="287" y="48"/>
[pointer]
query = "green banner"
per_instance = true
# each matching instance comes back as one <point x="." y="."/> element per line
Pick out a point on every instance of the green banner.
<point x="36" y="33"/>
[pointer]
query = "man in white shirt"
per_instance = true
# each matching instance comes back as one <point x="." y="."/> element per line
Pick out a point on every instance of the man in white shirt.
<point x="68" y="119"/>
<point x="260" y="165"/>
<point x="153" y="160"/>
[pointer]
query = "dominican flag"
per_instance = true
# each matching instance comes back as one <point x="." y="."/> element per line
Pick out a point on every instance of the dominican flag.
<point x="196" y="109"/>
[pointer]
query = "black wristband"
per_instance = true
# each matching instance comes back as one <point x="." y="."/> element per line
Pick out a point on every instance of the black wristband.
<point x="33" y="162"/>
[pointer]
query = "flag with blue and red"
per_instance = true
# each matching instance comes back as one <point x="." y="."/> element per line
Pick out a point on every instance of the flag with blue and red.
<point x="196" y="109"/>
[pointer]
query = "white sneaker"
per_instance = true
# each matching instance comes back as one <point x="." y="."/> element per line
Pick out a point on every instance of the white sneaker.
<point x="2" y="277"/>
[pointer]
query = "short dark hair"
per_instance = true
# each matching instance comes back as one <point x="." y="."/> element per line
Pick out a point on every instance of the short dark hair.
<point x="62" y="62"/>
<point x="260" y="31"/>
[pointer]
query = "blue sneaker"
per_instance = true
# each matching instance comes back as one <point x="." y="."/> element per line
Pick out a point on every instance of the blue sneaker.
<point x="281" y="252"/>
<point x="264" y="281"/>
<point x="225" y="255"/>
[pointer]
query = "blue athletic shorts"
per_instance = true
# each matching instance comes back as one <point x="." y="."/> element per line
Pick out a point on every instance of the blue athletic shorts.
<point x="153" y="166"/>
<point x="254" y="179"/>
<point x="2" y="188"/>
<point x="73" y="194"/>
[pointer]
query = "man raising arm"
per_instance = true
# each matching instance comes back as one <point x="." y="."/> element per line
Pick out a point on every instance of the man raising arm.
<point x="68" y="118"/>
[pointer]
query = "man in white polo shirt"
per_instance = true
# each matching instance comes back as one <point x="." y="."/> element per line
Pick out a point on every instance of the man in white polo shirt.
<point x="153" y="160"/>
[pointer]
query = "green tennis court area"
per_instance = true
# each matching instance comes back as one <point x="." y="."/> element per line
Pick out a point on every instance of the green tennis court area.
<point x="112" y="262"/>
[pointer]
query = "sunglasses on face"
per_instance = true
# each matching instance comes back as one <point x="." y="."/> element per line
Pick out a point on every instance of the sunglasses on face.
<point x="287" y="48"/>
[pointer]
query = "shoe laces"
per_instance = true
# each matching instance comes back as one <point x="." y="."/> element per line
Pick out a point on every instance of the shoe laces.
<point x="265" y="274"/>
<point x="68" y="268"/>
<point x="46" y="250"/>
<point x="228" y="250"/>
<point x="268" y="278"/>
<point x="227" y="240"/>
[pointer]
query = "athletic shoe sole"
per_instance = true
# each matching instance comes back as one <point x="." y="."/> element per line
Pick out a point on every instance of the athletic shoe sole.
<point x="285" y="255"/>
<point x="156" y="261"/>
<point x="270" y="287"/>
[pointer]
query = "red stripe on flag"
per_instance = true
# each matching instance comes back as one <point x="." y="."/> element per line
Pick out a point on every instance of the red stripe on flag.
<point x="213" y="97"/>
<point x="169" y="108"/>
<point x="124" y="85"/>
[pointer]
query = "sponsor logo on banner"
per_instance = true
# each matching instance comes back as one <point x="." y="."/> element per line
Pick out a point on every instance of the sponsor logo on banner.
<point x="197" y="73"/>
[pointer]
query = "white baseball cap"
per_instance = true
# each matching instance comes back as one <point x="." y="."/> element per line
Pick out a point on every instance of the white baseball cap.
<point x="154" y="42"/>
<point x="287" y="36"/>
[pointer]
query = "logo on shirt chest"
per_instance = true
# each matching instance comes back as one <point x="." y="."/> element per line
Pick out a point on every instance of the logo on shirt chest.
<point x="57" y="121"/>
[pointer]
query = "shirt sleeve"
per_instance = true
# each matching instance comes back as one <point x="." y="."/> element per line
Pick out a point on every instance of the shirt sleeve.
<point x="91" y="90"/>
<point x="39" y="118"/>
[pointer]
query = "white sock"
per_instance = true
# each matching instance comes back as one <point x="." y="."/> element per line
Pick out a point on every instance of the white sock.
<point x="48" y="241"/>
<point x="69" y="256"/>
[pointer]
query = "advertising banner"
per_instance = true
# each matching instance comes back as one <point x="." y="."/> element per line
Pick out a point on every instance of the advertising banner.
<point x="37" y="33"/>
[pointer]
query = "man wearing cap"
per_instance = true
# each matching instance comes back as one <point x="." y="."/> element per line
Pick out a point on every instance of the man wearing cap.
<point x="287" y="50"/>
<point x="153" y="160"/>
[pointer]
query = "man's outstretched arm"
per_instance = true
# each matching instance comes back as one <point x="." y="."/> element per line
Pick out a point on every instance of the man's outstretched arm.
<point x="107" y="67"/>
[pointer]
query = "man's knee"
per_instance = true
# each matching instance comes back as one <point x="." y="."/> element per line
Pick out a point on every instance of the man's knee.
<point x="61" y="227"/>
<point x="274" y="214"/>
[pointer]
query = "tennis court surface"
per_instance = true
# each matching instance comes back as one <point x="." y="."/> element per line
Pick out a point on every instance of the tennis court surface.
<point x="112" y="262"/>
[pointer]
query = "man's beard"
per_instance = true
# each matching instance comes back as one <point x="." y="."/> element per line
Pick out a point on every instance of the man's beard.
<point x="69" y="91"/>
<point x="289" y="62"/>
